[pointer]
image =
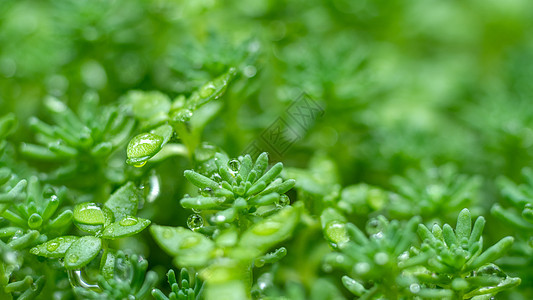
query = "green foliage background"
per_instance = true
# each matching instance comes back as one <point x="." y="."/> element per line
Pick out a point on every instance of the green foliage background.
<point x="409" y="89"/>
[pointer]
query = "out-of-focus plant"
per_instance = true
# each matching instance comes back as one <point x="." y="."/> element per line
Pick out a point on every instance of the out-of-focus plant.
<point x="83" y="144"/>
<point x="433" y="192"/>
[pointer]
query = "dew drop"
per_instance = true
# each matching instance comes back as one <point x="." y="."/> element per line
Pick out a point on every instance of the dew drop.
<point x="207" y="191"/>
<point x="128" y="221"/>
<point x="373" y="226"/>
<point x="52" y="246"/>
<point x="73" y="258"/>
<point x="207" y="90"/>
<point x="195" y="222"/>
<point x="381" y="258"/>
<point x="284" y="200"/>
<point x="414" y="288"/>
<point x="361" y="268"/>
<point x="140" y="164"/>
<point x="76" y="279"/>
<point x="216" y="177"/>
<point x="234" y="165"/>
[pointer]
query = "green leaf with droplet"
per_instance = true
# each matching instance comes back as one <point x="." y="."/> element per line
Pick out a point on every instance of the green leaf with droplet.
<point x="127" y="226"/>
<point x="107" y="264"/>
<point x="189" y="247"/>
<point x="54" y="248"/>
<point x="142" y="147"/>
<point x="124" y="201"/>
<point x="82" y="251"/>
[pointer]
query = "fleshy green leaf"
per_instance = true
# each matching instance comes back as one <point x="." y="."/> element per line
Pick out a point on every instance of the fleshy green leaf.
<point x="127" y="226"/>
<point x="82" y="251"/>
<point x="124" y="201"/>
<point x="190" y="248"/>
<point x="54" y="248"/>
<point x="270" y="231"/>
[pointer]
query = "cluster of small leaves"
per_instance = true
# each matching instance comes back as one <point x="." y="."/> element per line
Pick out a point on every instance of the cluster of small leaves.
<point x="36" y="219"/>
<point x="433" y="192"/>
<point x="244" y="220"/>
<point x="448" y="264"/>
<point x="82" y="144"/>
<point x="189" y="287"/>
<point x="457" y="263"/>
<point x="520" y="196"/>
<point x="129" y="280"/>
<point x="376" y="264"/>
<point x="26" y="288"/>
<point x="113" y="220"/>
<point x="239" y="190"/>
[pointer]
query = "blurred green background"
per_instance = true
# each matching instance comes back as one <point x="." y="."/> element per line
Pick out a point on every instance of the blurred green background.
<point x="403" y="83"/>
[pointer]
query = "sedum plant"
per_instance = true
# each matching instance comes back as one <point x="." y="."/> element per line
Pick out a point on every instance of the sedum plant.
<point x="82" y="145"/>
<point x="457" y="262"/>
<point x="241" y="214"/>
<point x="378" y="264"/>
<point x="187" y="287"/>
<point x="433" y="192"/>
<point x="389" y="263"/>
<point x="128" y="281"/>
<point x="115" y="219"/>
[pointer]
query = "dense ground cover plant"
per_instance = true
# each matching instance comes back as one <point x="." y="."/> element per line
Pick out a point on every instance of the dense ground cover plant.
<point x="142" y="137"/>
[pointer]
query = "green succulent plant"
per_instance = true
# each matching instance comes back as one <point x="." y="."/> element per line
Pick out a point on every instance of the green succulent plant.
<point x="242" y="219"/>
<point x="186" y="287"/>
<point x="115" y="219"/>
<point x="129" y="280"/>
<point x="83" y="145"/>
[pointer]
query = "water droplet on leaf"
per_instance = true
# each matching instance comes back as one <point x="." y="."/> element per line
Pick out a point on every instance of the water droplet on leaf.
<point x="195" y="222"/>
<point x="128" y="221"/>
<point x="373" y="226"/>
<point x="140" y="164"/>
<point x="72" y="258"/>
<point x="89" y="213"/>
<point x="234" y="165"/>
<point x="52" y="246"/>
<point x="284" y="200"/>
<point x="207" y="90"/>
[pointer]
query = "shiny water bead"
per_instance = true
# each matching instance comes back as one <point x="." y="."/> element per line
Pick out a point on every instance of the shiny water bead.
<point x="35" y="221"/>
<point x="373" y="226"/>
<point x="207" y="90"/>
<point x="89" y="213"/>
<point x="195" y="222"/>
<point x="234" y="165"/>
<point x="128" y="221"/>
